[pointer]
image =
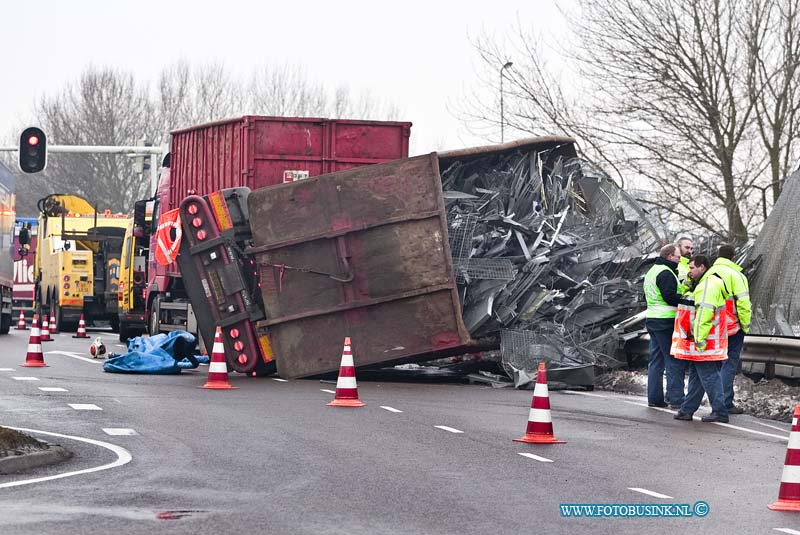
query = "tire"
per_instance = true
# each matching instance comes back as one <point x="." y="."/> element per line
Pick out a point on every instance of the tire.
<point x="61" y="325"/>
<point x="114" y="321"/>
<point x="154" y="325"/>
<point x="124" y="331"/>
<point x="5" y="323"/>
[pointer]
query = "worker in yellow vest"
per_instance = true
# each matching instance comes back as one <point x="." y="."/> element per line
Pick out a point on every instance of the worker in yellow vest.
<point x="739" y="311"/>
<point x="702" y="341"/>
<point x="661" y="294"/>
<point x="686" y="250"/>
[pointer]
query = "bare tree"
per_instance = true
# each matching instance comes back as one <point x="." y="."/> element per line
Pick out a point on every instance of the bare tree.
<point x="696" y="97"/>
<point x="104" y="107"/>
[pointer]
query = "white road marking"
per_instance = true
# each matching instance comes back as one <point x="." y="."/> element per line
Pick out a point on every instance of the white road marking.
<point x="52" y="389"/>
<point x="536" y="457"/>
<point x="770" y="426"/>
<point x="651" y="493"/>
<point x="6" y="369"/>
<point x="123" y="457"/>
<point x="119" y="431"/>
<point x="25" y="378"/>
<point x="579" y="393"/>
<point x="84" y="406"/>
<point x="328" y="391"/>
<point x="121" y="345"/>
<point x="74" y="356"/>
<point x="280" y="380"/>
<point x="448" y="429"/>
<point x="390" y="409"/>
<point x="788" y="530"/>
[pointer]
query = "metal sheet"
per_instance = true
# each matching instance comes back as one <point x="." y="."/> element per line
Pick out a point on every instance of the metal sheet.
<point x="361" y="253"/>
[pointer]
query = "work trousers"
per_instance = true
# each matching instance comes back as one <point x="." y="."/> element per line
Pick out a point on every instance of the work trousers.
<point x="704" y="378"/>
<point x="660" y="331"/>
<point x="729" y="367"/>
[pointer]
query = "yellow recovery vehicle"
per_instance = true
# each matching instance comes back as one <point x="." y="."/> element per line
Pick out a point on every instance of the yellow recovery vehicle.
<point x="78" y="261"/>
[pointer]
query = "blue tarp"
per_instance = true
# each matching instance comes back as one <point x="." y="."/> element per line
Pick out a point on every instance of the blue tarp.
<point x="161" y="354"/>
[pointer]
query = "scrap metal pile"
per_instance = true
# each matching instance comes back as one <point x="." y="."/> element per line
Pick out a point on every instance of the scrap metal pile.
<point x="548" y="254"/>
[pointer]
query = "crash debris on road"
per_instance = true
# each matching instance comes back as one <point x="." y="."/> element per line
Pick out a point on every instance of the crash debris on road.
<point x="19" y="452"/>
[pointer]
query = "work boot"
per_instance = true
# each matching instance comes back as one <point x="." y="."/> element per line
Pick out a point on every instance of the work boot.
<point x="682" y="416"/>
<point x="659" y="405"/>
<point x="674" y="406"/>
<point x="714" y="417"/>
<point x="735" y="410"/>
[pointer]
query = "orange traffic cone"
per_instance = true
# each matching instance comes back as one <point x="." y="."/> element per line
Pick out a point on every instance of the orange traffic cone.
<point x="21" y="323"/>
<point x="34" y="358"/>
<point x="346" y="387"/>
<point x="789" y="492"/>
<point x="540" y="423"/>
<point x="53" y="326"/>
<point x="81" y="329"/>
<point x="45" y="335"/>
<point x="217" y="369"/>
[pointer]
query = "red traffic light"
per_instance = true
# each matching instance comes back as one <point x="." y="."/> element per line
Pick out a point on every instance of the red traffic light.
<point x="32" y="150"/>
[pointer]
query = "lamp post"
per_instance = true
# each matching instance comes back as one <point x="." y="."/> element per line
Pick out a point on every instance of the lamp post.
<point x="502" y="116"/>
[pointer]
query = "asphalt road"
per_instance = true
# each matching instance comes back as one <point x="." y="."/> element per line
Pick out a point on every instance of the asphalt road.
<point x="271" y="457"/>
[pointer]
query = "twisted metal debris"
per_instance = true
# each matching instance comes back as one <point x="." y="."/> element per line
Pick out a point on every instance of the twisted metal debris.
<point x="548" y="254"/>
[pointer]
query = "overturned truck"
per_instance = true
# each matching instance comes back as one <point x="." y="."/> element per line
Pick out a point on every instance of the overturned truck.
<point x="522" y="245"/>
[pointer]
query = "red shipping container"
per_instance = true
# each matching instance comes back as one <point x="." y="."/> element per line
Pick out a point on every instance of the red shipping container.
<point x="256" y="151"/>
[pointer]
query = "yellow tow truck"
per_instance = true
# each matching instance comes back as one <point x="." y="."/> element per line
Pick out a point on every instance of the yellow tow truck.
<point x="77" y="263"/>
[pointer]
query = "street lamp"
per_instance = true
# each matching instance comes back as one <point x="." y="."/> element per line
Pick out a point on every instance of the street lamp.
<point x="502" y="116"/>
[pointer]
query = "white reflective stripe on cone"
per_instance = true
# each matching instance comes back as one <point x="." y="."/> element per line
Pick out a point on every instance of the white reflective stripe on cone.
<point x="347" y="360"/>
<point x="791" y="474"/>
<point x="540" y="390"/>
<point x="218" y="348"/>
<point x="347" y="350"/>
<point x="540" y="415"/>
<point x="217" y="367"/>
<point x="794" y="441"/>
<point x="35" y="349"/>
<point x="346" y="382"/>
<point x="794" y="422"/>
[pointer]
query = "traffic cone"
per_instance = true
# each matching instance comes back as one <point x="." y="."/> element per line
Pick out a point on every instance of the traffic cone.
<point x="217" y="369"/>
<point x="53" y="325"/>
<point x="34" y="358"/>
<point x="789" y="492"/>
<point x="540" y="423"/>
<point x="346" y="387"/>
<point x="45" y="336"/>
<point x="21" y="323"/>
<point x="81" y="329"/>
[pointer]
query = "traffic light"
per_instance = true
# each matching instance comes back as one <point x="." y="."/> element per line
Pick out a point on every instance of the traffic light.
<point x="32" y="150"/>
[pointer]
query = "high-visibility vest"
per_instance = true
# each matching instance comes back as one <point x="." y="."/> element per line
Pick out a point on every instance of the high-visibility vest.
<point x="166" y="247"/>
<point x="738" y="303"/>
<point x="691" y="321"/>
<point x="657" y="308"/>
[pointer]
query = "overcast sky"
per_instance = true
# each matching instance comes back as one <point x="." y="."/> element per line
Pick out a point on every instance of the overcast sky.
<point x="417" y="54"/>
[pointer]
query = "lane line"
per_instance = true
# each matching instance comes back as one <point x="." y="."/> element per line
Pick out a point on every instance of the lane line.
<point x="589" y="394"/>
<point x="74" y="356"/>
<point x="25" y="378"/>
<point x="788" y="530"/>
<point x="328" y="391"/>
<point x="448" y="429"/>
<point x="119" y="431"/>
<point x="121" y="345"/>
<point x="280" y="380"/>
<point x="390" y="409"/>
<point x="6" y="369"/>
<point x="84" y="406"/>
<point x="536" y="457"/>
<point x="123" y="458"/>
<point x="651" y="493"/>
<point x="52" y="389"/>
<point x="770" y="426"/>
<point x="670" y="411"/>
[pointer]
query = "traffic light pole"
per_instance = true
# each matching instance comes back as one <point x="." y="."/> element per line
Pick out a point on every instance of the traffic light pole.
<point x="133" y="150"/>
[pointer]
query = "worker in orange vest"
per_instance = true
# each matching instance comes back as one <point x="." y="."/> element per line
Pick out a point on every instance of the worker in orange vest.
<point x="701" y="338"/>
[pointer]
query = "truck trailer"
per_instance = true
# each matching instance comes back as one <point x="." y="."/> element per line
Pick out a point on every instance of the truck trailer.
<point x="7" y="216"/>
<point x="252" y="152"/>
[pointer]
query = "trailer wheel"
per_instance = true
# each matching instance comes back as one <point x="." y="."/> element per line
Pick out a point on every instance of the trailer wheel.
<point x="123" y="332"/>
<point x="114" y="321"/>
<point x="61" y="325"/>
<point x="5" y="323"/>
